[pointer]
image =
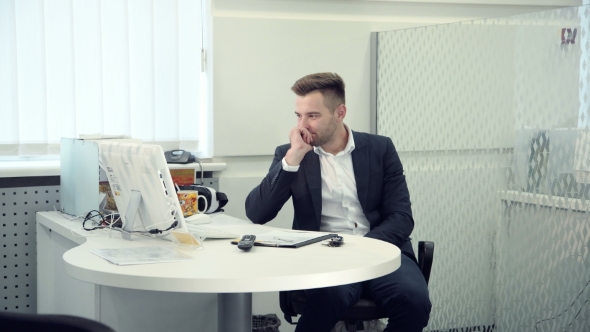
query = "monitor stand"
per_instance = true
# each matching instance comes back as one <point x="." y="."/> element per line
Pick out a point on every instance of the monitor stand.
<point x="130" y="213"/>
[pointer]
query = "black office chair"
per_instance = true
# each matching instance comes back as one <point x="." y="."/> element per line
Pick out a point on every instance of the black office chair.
<point x="26" y="322"/>
<point x="293" y="302"/>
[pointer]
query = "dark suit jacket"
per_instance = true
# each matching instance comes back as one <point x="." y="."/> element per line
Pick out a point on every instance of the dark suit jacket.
<point x="381" y="188"/>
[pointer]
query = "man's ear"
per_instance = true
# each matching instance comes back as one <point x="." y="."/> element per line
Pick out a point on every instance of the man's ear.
<point x="341" y="111"/>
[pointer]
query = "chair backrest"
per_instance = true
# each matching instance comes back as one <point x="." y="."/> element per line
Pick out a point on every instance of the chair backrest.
<point x="25" y="322"/>
<point x="425" y="256"/>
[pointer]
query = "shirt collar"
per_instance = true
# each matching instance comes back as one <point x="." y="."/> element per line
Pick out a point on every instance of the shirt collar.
<point x="347" y="150"/>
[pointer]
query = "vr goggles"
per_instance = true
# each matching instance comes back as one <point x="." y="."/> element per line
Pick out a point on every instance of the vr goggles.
<point x="217" y="200"/>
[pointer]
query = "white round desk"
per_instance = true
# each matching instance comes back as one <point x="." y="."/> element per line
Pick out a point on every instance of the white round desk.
<point x="234" y="274"/>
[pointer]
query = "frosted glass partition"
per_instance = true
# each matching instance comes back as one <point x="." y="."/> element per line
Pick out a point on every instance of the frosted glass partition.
<point x="491" y="121"/>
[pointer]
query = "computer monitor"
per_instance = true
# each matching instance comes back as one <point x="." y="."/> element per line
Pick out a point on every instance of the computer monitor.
<point x="142" y="188"/>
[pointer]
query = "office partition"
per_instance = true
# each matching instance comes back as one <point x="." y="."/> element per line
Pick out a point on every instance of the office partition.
<point x="490" y="119"/>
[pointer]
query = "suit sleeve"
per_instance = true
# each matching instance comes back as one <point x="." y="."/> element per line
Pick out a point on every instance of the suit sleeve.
<point x="396" y="211"/>
<point x="266" y="200"/>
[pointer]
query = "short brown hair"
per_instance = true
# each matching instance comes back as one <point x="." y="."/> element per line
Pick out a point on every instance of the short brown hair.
<point x="330" y="85"/>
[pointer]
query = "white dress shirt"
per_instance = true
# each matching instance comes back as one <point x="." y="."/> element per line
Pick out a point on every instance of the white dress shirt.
<point x="341" y="210"/>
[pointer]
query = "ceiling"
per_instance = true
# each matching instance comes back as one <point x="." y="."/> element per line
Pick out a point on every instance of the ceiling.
<point x="552" y="3"/>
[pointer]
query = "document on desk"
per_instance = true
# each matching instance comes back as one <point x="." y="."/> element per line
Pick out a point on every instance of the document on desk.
<point x="290" y="239"/>
<point x="141" y="255"/>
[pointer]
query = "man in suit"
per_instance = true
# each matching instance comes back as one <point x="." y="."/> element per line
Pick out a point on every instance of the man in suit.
<point x="344" y="182"/>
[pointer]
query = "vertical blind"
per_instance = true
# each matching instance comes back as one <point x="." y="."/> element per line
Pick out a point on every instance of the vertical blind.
<point x="113" y="67"/>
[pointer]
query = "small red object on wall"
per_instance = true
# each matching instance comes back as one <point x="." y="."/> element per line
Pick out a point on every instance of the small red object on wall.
<point x="568" y="35"/>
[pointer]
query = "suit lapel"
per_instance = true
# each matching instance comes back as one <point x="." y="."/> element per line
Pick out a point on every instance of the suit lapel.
<point x="360" y="163"/>
<point x="313" y="174"/>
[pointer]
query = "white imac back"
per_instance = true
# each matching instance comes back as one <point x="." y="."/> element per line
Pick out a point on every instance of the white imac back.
<point x="142" y="167"/>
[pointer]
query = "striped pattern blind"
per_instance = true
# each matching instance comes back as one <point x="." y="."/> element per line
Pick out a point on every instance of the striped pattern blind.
<point x="71" y="67"/>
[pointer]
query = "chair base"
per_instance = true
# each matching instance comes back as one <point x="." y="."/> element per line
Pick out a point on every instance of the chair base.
<point x="353" y="326"/>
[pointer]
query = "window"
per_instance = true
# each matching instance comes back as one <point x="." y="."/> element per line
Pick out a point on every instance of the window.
<point x="113" y="67"/>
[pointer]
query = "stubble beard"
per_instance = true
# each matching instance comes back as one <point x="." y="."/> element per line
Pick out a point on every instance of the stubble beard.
<point x="325" y="136"/>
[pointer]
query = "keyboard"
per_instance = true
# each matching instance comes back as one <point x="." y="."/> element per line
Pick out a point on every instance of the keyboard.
<point x="210" y="232"/>
<point x="197" y="219"/>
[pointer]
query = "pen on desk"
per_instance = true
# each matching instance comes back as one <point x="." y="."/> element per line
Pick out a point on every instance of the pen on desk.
<point x="285" y="240"/>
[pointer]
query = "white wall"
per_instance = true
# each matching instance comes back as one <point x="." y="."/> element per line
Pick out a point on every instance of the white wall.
<point x="256" y="62"/>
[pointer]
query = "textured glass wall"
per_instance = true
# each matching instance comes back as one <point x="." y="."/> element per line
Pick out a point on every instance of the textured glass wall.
<point x="491" y="121"/>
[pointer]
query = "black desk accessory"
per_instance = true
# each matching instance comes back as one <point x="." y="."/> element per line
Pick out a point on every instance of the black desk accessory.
<point x="179" y="157"/>
<point x="291" y="244"/>
<point x="247" y="242"/>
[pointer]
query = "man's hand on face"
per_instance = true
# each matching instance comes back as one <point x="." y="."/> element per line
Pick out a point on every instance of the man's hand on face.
<point x="300" y="139"/>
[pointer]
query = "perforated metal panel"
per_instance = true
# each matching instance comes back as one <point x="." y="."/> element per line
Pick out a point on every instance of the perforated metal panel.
<point x="18" y="240"/>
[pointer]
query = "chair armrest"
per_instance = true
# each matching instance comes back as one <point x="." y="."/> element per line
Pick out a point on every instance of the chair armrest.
<point x="425" y="256"/>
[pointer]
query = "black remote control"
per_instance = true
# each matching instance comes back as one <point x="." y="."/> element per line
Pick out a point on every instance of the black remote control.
<point x="246" y="242"/>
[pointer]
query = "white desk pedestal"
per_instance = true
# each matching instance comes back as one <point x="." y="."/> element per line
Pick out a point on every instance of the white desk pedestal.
<point x="234" y="312"/>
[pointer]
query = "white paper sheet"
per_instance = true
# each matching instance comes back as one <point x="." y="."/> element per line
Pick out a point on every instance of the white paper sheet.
<point x="141" y="255"/>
